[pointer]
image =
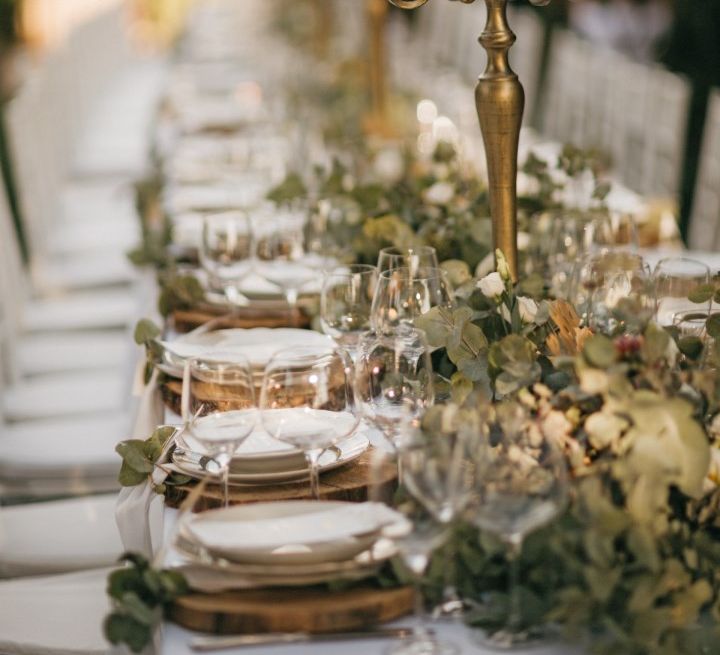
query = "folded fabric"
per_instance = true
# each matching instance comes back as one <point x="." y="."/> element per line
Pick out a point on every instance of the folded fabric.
<point x="55" y="615"/>
<point x="139" y="510"/>
<point x="58" y="536"/>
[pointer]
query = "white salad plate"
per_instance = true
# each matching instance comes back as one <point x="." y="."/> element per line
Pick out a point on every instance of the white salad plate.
<point x="290" y="532"/>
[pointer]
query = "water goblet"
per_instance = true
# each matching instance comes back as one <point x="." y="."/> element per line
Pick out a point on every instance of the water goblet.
<point x="226" y="253"/>
<point x="521" y="485"/>
<point x="413" y="258"/>
<point x="403" y="294"/>
<point x="218" y="406"/>
<point x="345" y="304"/>
<point x="307" y="400"/>
<point x="394" y="380"/>
<point x="681" y="285"/>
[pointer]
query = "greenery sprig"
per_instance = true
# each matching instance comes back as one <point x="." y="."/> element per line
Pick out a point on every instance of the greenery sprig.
<point x="141" y="458"/>
<point x="139" y="595"/>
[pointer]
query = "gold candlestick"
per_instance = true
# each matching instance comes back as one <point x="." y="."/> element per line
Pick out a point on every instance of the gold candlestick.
<point x="377" y="120"/>
<point x="500" y="100"/>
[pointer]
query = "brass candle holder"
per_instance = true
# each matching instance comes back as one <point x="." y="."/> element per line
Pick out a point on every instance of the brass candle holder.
<point x="500" y="100"/>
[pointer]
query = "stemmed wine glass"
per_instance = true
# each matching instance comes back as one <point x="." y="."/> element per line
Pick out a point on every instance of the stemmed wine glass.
<point x="677" y="280"/>
<point x="227" y="251"/>
<point x="613" y="292"/>
<point x="218" y="406"/>
<point x="403" y="294"/>
<point x="345" y="304"/>
<point x="422" y="535"/>
<point x="413" y="258"/>
<point x="394" y="380"/>
<point x="521" y="485"/>
<point x="282" y="254"/>
<point x="307" y="400"/>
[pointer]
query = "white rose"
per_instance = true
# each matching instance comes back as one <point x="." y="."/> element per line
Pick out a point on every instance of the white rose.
<point x="440" y="193"/>
<point x="528" y="309"/>
<point x="604" y="429"/>
<point x="389" y="165"/>
<point x="492" y="285"/>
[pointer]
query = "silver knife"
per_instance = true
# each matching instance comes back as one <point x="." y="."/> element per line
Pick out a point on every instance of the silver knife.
<point x="207" y="644"/>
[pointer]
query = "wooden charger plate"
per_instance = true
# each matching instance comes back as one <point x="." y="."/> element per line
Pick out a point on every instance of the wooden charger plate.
<point x="350" y="483"/>
<point x="310" y="609"/>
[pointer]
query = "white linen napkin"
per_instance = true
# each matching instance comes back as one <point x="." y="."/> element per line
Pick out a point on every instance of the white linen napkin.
<point x="139" y="510"/>
<point x="54" y="615"/>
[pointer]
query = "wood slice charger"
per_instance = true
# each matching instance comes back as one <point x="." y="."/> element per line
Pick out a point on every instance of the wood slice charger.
<point x="303" y="609"/>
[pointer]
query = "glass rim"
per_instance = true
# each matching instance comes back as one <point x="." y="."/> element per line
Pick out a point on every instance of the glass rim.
<point x="396" y="251"/>
<point x="352" y="269"/>
<point x="416" y="273"/>
<point x="682" y="260"/>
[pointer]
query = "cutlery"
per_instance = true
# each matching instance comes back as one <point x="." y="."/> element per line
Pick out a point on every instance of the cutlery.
<point x="207" y="644"/>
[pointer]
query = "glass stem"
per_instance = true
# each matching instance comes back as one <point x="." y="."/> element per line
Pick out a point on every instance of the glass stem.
<point x="292" y="299"/>
<point x="421" y="631"/>
<point x="312" y="457"/>
<point x="515" y="619"/>
<point x="226" y="485"/>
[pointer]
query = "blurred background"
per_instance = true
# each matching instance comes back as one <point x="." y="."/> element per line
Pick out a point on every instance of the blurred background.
<point x="582" y="62"/>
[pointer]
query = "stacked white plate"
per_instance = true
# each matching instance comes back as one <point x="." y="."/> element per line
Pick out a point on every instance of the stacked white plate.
<point x="264" y="460"/>
<point x="257" y="344"/>
<point x="293" y="543"/>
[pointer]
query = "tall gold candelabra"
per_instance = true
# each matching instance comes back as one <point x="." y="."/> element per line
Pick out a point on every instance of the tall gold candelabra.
<point x="500" y="100"/>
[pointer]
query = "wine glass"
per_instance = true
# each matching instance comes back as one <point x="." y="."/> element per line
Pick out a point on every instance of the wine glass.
<point x="226" y="253"/>
<point x="281" y="251"/>
<point x="420" y="537"/>
<point x="611" y="231"/>
<point x="345" y="304"/>
<point x="218" y="406"/>
<point x="438" y="470"/>
<point x="413" y="258"/>
<point x="521" y="485"/>
<point x="403" y="294"/>
<point x="394" y="380"/>
<point x="676" y="279"/>
<point x="307" y="400"/>
<point x="613" y="292"/>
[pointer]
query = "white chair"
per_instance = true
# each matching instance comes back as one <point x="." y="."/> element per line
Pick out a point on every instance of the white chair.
<point x="65" y="456"/>
<point x="55" y="615"/>
<point x="705" y="218"/>
<point x="59" y="536"/>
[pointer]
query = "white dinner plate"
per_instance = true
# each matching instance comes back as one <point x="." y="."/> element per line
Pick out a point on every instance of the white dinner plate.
<point x="257" y="344"/>
<point x="210" y="574"/>
<point x="290" y="532"/>
<point x="281" y="466"/>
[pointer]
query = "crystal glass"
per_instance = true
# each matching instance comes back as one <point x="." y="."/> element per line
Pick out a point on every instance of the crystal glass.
<point x="568" y="244"/>
<point x="613" y="292"/>
<point x="438" y="470"/>
<point x="677" y="278"/>
<point x="413" y="258"/>
<point x="521" y="485"/>
<point x="307" y="400"/>
<point x="394" y="380"/>
<point x="281" y="251"/>
<point x="226" y="253"/>
<point x="416" y="543"/>
<point x="613" y="231"/>
<point x="345" y="304"/>
<point x="218" y="405"/>
<point x="403" y="294"/>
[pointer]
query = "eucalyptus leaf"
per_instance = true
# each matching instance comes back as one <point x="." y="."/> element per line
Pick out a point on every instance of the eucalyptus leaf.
<point x="599" y="351"/>
<point x="702" y="293"/>
<point x="145" y="331"/>
<point x="133" y="454"/>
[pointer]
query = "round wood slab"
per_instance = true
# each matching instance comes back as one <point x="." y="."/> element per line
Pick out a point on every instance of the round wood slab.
<point x="311" y="609"/>
<point x="351" y="483"/>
